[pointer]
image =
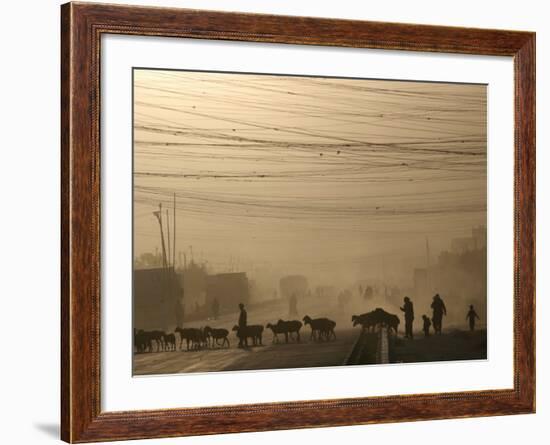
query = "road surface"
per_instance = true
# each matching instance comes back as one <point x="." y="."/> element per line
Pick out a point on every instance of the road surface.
<point x="269" y="356"/>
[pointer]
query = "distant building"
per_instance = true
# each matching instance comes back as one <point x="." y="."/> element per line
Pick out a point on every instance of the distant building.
<point x="229" y="289"/>
<point x="157" y="299"/>
<point x="293" y="284"/>
<point x="193" y="280"/>
<point x="477" y="241"/>
<point x="461" y="245"/>
<point x="480" y="237"/>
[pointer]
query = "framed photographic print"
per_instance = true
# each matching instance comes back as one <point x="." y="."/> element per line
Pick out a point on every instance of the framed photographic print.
<point x="274" y="222"/>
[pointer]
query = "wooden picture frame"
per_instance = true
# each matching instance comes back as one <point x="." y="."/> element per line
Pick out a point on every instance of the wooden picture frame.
<point x="82" y="26"/>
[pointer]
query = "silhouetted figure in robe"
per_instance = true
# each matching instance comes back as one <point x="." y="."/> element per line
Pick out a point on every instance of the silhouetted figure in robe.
<point x="439" y="310"/>
<point x="471" y="317"/>
<point x="409" y="317"/>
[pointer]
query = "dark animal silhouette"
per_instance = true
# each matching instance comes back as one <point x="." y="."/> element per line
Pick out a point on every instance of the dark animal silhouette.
<point x="169" y="342"/>
<point x="379" y="317"/>
<point x="194" y="337"/>
<point x="366" y="320"/>
<point x="142" y="341"/>
<point x="253" y="332"/>
<point x="277" y="329"/>
<point x="292" y="327"/>
<point x="286" y="328"/>
<point x="217" y="336"/>
<point x="321" y="328"/>
<point x="158" y="338"/>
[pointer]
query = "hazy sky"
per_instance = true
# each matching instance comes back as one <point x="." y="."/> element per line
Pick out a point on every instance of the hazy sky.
<point x="301" y="172"/>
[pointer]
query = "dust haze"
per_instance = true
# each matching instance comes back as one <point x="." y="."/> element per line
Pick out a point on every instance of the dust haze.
<point x="353" y="192"/>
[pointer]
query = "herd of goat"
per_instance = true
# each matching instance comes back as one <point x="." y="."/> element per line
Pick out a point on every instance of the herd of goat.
<point x="322" y="329"/>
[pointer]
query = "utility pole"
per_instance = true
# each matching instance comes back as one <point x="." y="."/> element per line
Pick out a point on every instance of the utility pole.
<point x="168" y="229"/>
<point x="158" y="214"/>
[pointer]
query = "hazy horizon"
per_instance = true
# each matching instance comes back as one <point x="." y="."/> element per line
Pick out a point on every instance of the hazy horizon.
<point x="320" y="176"/>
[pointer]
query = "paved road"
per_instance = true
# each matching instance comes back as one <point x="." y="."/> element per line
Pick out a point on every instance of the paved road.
<point x="269" y="356"/>
<point x="452" y="345"/>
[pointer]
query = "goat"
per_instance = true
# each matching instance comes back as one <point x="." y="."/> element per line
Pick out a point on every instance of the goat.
<point x="192" y="336"/>
<point x="321" y="327"/>
<point x="277" y="329"/>
<point x="367" y="321"/>
<point x="158" y="338"/>
<point x="216" y="335"/>
<point x="142" y="341"/>
<point x="169" y="342"/>
<point x="289" y="327"/>
<point x="251" y="331"/>
<point x="378" y="317"/>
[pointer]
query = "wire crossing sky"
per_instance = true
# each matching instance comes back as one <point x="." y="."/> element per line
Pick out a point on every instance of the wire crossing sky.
<point x="302" y="171"/>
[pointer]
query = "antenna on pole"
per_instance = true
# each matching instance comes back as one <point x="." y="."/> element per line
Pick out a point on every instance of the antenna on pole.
<point x="174" y="239"/>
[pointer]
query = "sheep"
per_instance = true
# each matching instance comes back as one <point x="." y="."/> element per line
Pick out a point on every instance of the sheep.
<point x="378" y="317"/>
<point x="251" y="331"/>
<point x="291" y="326"/>
<point x="216" y="335"/>
<point x="278" y="329"/>
<point x="393" y="323"/>
<point x="158" y="338"/>
<point x="367" y="321"/>
<point x="321" y="327"/>
<point x="192" y="336"/>
<point x="142" y="341"/>
<point x="169" y="342"/>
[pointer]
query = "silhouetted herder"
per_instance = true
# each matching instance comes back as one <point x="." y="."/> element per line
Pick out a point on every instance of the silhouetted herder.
<point x="427" y="324"/>
<point x="242" y="324"/>
<point x="253" y="332"/>
<point x="439" y="310"/>
<point x="321" y="327"/>
<point x="409" y="317"/>
<point x="471" y="317"/>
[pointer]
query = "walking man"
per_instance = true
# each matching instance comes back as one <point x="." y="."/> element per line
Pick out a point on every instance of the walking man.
<point x="409" y="317"/>
<point x="439" y="309"/>
<point x="471" y="317"/>
<point x="242" y="326"/>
